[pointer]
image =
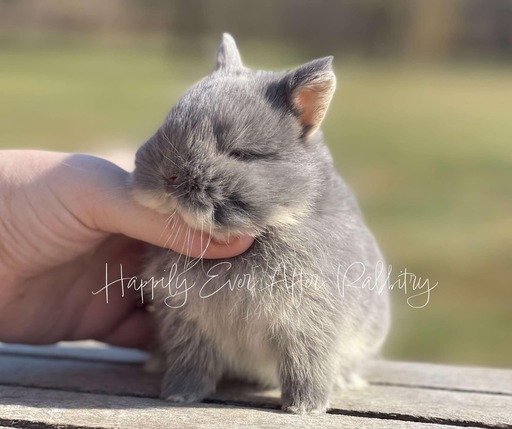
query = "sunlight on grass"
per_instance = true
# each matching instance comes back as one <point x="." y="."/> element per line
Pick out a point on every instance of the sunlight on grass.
<point x="426" y="149"/>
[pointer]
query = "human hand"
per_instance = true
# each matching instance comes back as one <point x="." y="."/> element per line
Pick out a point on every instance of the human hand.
<point x="62" y="218"/>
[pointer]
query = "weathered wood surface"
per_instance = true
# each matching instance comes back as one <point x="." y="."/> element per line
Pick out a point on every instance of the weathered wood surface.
<point x="97" y="387"/>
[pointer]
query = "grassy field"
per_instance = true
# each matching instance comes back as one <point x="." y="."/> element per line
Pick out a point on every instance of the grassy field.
<point x="426" y="148"/>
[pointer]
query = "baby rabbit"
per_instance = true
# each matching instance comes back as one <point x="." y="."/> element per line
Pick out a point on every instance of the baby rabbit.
<point x="242" y="153"/>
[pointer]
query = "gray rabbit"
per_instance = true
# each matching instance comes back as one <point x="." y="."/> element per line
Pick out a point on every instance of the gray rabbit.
<point x="242" y="153"/>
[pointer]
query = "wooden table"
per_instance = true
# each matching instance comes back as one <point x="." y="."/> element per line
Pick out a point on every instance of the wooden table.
<point x="87" y="385"/>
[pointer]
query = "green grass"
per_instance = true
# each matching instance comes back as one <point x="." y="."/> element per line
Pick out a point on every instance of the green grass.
<point x="426" y="148"/>
<point x="428" y="151"/>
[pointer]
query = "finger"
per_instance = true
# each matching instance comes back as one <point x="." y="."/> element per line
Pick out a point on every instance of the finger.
<point x="184" y="240"/>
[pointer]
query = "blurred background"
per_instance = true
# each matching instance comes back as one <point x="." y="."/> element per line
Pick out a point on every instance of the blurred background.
<point x="420" y="126"/>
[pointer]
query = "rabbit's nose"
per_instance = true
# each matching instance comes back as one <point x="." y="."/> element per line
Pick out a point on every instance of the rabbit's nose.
<point x="169" y="183"/>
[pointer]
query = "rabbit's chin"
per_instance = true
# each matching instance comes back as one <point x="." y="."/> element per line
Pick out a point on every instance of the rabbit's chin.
<point x="200" y="221"/>
<point x="281" y="217"/>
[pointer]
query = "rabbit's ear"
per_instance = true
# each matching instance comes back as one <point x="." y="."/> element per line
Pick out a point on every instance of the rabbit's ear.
<point x="309" y="91"/>
<point x="228" y="56"/>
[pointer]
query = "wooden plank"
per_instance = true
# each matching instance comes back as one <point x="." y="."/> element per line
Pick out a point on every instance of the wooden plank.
<point x="76" y="375"/>
<point x="471" y="379"/>
<point x="406" y="403"/>
<point x="382" y="401"/>
<point x="20" y="406"/>
<point x="83" y="350"/>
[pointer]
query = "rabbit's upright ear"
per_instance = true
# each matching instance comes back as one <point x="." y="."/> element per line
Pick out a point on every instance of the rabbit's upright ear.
<point x="228" y="57"/>
<point x="309" y="90"/>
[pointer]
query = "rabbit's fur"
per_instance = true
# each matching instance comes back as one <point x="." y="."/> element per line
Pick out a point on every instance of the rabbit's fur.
<point x="242" y="153"/>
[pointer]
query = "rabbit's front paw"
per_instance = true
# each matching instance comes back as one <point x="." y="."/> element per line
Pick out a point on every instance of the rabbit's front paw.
<point x="185" y="386"/>
<point x="305" y="407"/>
<point x="186" y="398"/>
<point x="305" y="398"/>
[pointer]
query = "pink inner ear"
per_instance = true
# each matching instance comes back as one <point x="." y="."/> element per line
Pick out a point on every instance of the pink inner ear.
<point x="305" y="102"/>
<point x="312" y="101"/>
